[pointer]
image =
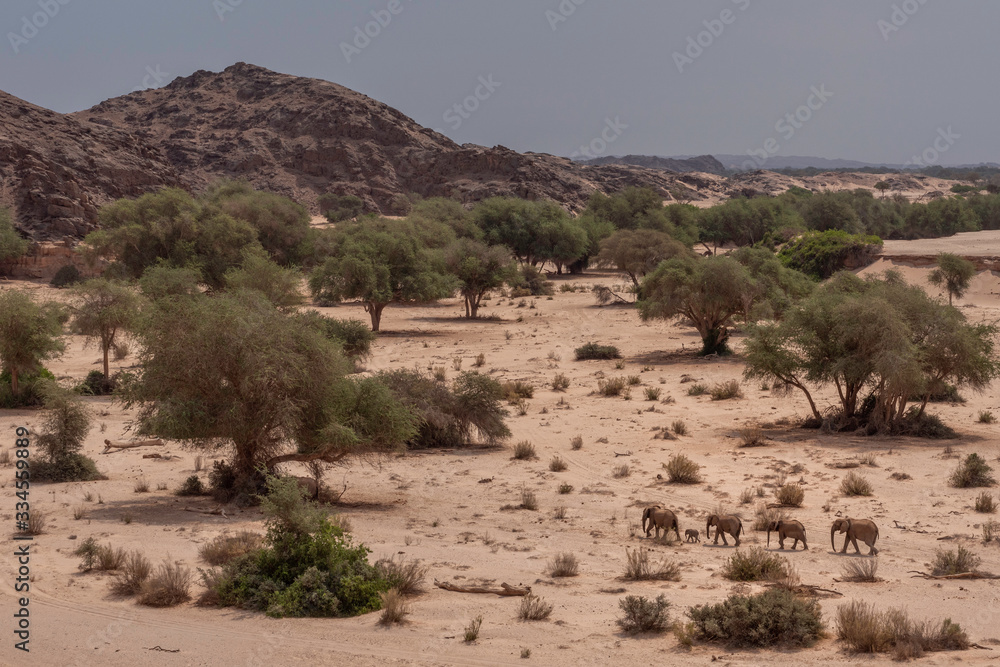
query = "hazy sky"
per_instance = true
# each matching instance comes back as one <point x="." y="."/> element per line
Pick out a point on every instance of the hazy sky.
<point x="892" y="76"/>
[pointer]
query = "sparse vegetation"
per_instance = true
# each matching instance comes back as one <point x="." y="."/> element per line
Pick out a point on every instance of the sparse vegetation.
<point x="954" y="562"/>
<point x="972" y="472"/>
<point x="697" y="389"/>
<point x="860" y="570"/>
<point x="528" y="500"/>
<point x="560" y="382"/>
<point x="752" y="435"/>
<point x="643" y="615"/>
<point x="472" y="629"/>
<point x="755" y="564"/>
<point x="790" y="495"/>
<point x="170" y="586"/>
<point x="576" y="442"/>
<point x="225" y="548"/>
<point x="564" y="565"/>
<point x="394" y="607"/>
<point x="652" y="393"/>
<point x="682" y="470"/>
<point x="141" y="485"/>
<point x="557" y="464"/>
<point x="517" y="389"/>
<point x="764" y="515"/>
<point x="524" y="451"/>
<point x="773" y="617"/>
<point x="595" y="351"/>
<point x="101" y="557"/>
<point x="192" y="486"/>
<point x="533" y="608"/>
<point x="986" y="417"/>
<point x="611" y="386"/>
<point x="679" y="427"/>
<point x="565" y="488"/>
<point x="404" y="576"/>
<point x="726" y="390"/>
<point x="991" y="531"/>
<point x="621" y="470"/>
<point x="133" y="574"/>
<point x="985" y="503"/>
<point x="864" y="629"/>
<point x="638" y="567"/>
<point x="854" y="484"/>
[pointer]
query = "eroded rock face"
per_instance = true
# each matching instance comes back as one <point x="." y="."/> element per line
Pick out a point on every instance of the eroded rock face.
<point x="303" y="137"/>
<point x="57" y="170"/>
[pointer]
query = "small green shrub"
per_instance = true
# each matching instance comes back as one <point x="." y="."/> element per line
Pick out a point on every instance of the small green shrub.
<point x="755" y="564"/>
<point x="611" y="386"/>
<point x="524" y="450"/>
<point x="595" y="351"/>
<point x="682" y="470"/>
<point x="679" y="427"/>
<point x="771" y="618"/>
<point x="192" y="486"/>
<point x="65" y="276"/>
<point x="985" y="503"/>
<point x="132" y="576"/>
<point x="565" y="488"/>
<point x="697" y="389"/>
<point x="820" y="254"/>
<point x="653" y="393"/>
<point x="954" y="562"/>
<point x="643" y="615"/>
<point x="472" y="629"/>
<point x="790" y="495"/>
<point x="533" y="608"/>
<point x="986" y="417"/>
<point x="972" y="472"/>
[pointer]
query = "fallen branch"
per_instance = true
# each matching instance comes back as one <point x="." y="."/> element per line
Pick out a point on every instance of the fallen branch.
<point x="805" y="589"/>
<point x="108" y="445"/>
<point x="628" y="453"/>
<point x="216" y="512"/>
<point x="961" y="575"/>
<point x="505" y="589"/>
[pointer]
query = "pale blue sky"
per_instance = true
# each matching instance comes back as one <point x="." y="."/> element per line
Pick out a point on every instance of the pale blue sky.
<point x="559" y="80"/>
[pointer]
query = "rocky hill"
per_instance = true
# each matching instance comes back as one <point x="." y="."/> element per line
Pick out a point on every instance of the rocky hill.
<point x="702" y="163"/>
<point x="303" y="137"/>
<point x="56" y="170"/>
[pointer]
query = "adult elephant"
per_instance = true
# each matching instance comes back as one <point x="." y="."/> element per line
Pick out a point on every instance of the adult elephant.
<point x="856" y="529"/>
<point x="660" y="518"/>
<point x="788" y="529"/>
<point x="728" y="523"/>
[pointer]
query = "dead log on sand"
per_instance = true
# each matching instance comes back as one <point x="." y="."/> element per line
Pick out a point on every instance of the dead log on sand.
<point x="961" y="575"/>
<point x="119" y="445"/>
<point x="806" y="590"/>
<point x="505" y="589"/>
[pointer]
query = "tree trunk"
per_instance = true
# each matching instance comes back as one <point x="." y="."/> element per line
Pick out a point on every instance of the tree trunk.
<point x="472" y="308"/>
<point x="375" y="311"/>
<point x="714" y="341"/>
<point x="107" y="370"/>
<point x="468" y="310"/>
<point x="15" y="386"/>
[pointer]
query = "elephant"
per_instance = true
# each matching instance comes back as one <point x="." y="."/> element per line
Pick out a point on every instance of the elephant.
<point x="863" y="529"/>
<point x="792" y="529"/>
<point x="660" y="518"/>
<point x="691" y="535"/>
<point x="724" y="524"/>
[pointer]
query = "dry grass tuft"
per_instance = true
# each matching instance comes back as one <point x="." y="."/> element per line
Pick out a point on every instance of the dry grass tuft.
<point x="170" y="586"/>
<point x="764" y="515"/>
<point x="955" y="562"/>
<point x="472" y="629"/>
<point x="141" y="485"/>
<point x="866" y="630"/>
<point x="524" y="450"/>
<point x="224" y="548"/>
<point x="132" y="575"/>
<point x="639" y="568"/>
<point x="564" y="565"/>
<point x="679" y="427"/>
<point x="752" y="435"/>
<point x="861" y="570"/>
<point x="394" y="607"/>
<point x="790" y="495"/>
<point x="557" y="464"/>
<point x="854" y="484"/>
<point x="528" y="500"/>
<point x="985" y="503"/>
<point x="726" y="390"/>
<point x="533" y="608"/>
<point x="576" y="442"/>
<point x="621" y="470"/>
<point x="404" y="576"/>
<point x="560" y="382"/>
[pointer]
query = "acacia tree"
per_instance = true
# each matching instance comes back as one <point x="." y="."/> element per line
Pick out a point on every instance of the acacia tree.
<point x="29" y="334"/>
<point x="709" y="291"/>
<point x="281" y="286"/>
<point x="638" y="252"/>
<point x="103" y="310"/>
<point x="379" y="263"/>
<point x="882" y="186"/>
<point x="231" y="370"/>
<point x="954" y="273"/>
<point x="879" y="335"/>
<point x="478" y="268"/>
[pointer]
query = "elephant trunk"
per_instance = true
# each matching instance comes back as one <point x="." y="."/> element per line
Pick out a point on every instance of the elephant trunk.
<point x="645" y="517"/>
<point x="833" y="530"/>
<point x="708" y="530"/>
<point x="769" y="535"/>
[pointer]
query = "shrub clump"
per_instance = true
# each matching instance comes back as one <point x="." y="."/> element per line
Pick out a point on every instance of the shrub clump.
<point x="533" y="608"/>
<point x="755" y="564"/>
<point x="524" y="451"/>
<point x="225" y="548"/>
<point x="66" y="275"/>
<point x="595" y="351"/>
<point x="821" y="254"/>
<point x="65" y="425"/>
<point x="638" y="567"/>
<point x="955" y="562"/>
<point x="134" y="573"/>
<point x="682" y="470"/>
<point x="972" y="472"/>
<point x="726" y="390"/>
<point x="790" y="495"/>
<point x="168" y="587"/>
<point x="773" y="617"/>
<point x="404" y="576"/>
<point x="864" y="629"/>
<point x="307" y="566"/>
<point x="192" y="486"/>
<point x="643" y="615"/>
<point x="854" y="484"/>
<point x="564" y="565"/>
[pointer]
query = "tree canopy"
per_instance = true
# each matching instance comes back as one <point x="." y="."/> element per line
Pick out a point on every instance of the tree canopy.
<point x="103" y="310"/>
<point x="30" y="333"/>
<point x="638" y="252"/>
<point x="380" y="262"/>
<point x="478" y="268"/>
<point x="954" y="273"/>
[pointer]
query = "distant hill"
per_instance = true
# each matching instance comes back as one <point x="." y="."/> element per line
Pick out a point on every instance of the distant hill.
<point x="703" y="163"/>
<point x="797" y="162"/>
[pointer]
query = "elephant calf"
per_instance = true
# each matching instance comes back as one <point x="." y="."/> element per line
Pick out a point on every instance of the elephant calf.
<point x="691" y="535"/>
<point x="856" y="529"/>
<point x="792" y="529"/>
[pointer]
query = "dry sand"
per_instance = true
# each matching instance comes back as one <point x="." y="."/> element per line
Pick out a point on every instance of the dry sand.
<point x="443" y="507"/>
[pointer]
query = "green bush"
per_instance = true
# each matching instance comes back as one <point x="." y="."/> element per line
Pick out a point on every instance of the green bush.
<point x="972" y="472"/>
<point x="595" y="351"/>
<point x="866" y="630"/>
<point x="65" y="425"/>
<point x="773" y="617"/>
<point x="72" y="468"/>
<point x="66" y="275"/>
<point x="755" y="564"/>
<point x="192" y="486"/>
<point x="354" y="336"/>
<point x="32" y="389"/>
<point x="534" y="282"/>
<point x="643" y="615"/>
<point x="821" y="254"/>
<point x="96" y="384"/>
<point x="307" y="567"/>
<point x="338" y="208"/>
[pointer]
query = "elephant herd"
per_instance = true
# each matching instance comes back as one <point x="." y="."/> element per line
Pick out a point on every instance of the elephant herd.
<point x="856" y="529"/>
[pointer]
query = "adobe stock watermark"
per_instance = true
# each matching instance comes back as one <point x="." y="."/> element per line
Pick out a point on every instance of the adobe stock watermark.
<point x="154" y="79"/>
<point x="713" y="30"/>
<point x="30" y="26"/>
<point x="787" y="126"/>
<point x="899" y="17"/>
<point x="563" y="11"/>
<point x="599" y="145"/>
<point x="364" y="34"/>
<point x="223" y="7"/>
<point x="944" y="140"/>
<point x="462" y="111"/>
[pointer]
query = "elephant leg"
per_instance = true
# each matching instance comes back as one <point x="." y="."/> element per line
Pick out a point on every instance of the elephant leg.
<point x="781" y="543"/>
<point x="795" y="544"/>
<point x="717" y="537"/>
<point x="854" y="541"/>
<point x="737" y="540"/>
<point x="872" y="551"/>
<point x="805" y="547"/>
